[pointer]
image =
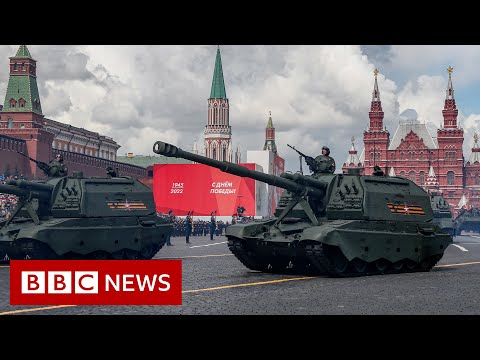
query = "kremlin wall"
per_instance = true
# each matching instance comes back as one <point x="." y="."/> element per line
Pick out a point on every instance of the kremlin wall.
<point x="25" y="129"/>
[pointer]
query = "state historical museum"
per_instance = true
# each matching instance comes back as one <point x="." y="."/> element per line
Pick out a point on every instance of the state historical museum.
<point x="434" y="163"/>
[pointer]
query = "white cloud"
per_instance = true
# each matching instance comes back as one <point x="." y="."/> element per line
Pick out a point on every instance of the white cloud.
<point x="426" y="95"/>
<point x="319" y="95"/>
<point x="421" y="59"/>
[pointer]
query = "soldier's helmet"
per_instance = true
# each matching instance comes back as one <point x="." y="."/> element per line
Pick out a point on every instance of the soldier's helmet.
<point x="327" y="149"/>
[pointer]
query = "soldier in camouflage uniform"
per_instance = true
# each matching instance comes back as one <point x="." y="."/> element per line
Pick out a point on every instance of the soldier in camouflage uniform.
<point x="57" y="167"/>
<point x="324" y="163"/>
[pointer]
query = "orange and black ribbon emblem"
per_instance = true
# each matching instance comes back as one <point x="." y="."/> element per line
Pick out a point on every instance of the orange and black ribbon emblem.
<point x="406" y="209"/>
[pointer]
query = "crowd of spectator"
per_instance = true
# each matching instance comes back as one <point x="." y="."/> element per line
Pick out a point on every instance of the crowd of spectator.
<point x="7" y="201"/>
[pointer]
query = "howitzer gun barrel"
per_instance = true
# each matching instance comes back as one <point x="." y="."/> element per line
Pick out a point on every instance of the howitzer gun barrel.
<point x="307" y="180"/>
<point x="24" y="188"/>
<point x="169" y="150"/>
<point x="14" y="190"/>
<point x="31" y="185"/>
<point x="9" y="189"/>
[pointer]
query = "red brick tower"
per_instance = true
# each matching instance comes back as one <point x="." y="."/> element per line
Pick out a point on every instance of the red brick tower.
<point x="353" y="161"/>
<point x="22" y="116"/>
<point x="218" y="132"/>
<point x="270" y="136"/>
<point x="450" y="148"/>
<point x="376" y="138"/>
<point x="472" y="174"/>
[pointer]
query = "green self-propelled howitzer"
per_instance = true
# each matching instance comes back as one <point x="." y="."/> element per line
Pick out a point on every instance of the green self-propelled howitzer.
<point x="467" y="220"/>
<point x="335" y="224"/>
<point x="77" y="217"/>
<point x="442" y="215"/>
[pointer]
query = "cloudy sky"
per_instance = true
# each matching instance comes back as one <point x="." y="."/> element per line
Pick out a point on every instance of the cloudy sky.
<point x="318" y="94"/>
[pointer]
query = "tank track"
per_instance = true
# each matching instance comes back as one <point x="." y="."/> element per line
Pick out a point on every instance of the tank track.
<point x="323" y="259"/>
<point x="330" y="260"/>
<point x="28" y="249"/>
<point x="275" y="263"/>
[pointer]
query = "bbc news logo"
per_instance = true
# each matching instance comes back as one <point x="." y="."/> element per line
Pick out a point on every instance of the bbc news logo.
<point x="96" y="282"/>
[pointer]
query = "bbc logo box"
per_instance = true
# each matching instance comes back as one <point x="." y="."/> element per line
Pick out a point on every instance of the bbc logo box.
<point x="96" y="282"/>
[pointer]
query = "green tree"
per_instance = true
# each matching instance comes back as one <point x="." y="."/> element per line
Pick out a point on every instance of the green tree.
<point x="7" y="171"/>
<point x="15" y="171"/>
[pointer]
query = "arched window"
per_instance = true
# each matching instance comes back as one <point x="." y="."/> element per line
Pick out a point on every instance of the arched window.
<point x="392" y="156"/>
<point x="450" y="178"/>
<point x="402" y="155"/>
<point x="10" y="123"/>
<point x="214" y="154"/>
<point x="225" y="154"/>
<point x="24" y="67"/>
<point x="15" y="67"/>
<point x="422" y="176"/>
<point x="402" y="174"/>
<point x="13" y="103"/>
<point x="411" y="175"/>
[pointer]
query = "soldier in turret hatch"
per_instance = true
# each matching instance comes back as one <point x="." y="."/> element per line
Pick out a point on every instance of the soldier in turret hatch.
<point x="57" y="167"/>
<point x="324" y="163"/>
<point x="111" y="172"/>
<point x="377" y="171"/>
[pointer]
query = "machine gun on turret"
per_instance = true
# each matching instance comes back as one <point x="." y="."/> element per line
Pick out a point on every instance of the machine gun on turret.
<point x="312" y="164"/>
<point x="43" y="166"/>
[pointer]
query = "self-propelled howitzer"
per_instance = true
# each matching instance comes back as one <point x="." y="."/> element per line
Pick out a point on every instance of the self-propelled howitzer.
<point x="77" y="217"/>
<point x="335" y="224"/>
<point x="467" y="220"/>
<point x="442" y="215"/>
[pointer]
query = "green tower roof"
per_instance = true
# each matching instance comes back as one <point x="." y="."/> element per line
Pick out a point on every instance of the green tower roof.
<point x="22" y="85"/>
<point x="218" y="84"/>
<point x="23" y="53"/>
<point x="270" y="122"/>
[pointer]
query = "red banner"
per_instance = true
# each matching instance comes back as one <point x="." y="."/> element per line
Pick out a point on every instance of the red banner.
<point x="95" y="282"/>
<point x="202" y="189"/>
